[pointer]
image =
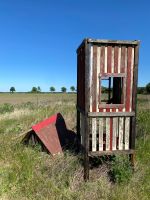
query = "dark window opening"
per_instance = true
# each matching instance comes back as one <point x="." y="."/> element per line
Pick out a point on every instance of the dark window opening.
<point x="112" y="90"/>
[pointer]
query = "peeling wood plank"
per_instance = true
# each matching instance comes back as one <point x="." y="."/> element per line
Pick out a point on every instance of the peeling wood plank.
<point x="111" y="114"/>
<point x="101" y="129"/>
<point x="90" y="76"/>
<point x="98" y="79"/>
<point x="119" y="59"/>
<point x="105" y="64"/>
<point x="112" y="60"/>
<point x="109" y="57"/>
<point x="106" y="75"/>
<point x="94" y="80"/>
<point x="127" y="130"/>
<point x="120" y="133"/>
<point x="94" y="134"/>
<point x="115" y="130"/>
<point x="107" y="134"/>
<point x="132" y="65"/>
<point x="116" y="50"/>
<point x="128" y="88"/>
<point x="115" y="152"/>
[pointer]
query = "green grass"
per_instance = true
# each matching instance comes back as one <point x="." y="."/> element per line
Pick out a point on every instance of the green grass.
<point x="28" y="173"/>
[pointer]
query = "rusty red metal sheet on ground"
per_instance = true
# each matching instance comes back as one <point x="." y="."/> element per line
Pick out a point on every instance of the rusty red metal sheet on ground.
<point x="52" y="133"/>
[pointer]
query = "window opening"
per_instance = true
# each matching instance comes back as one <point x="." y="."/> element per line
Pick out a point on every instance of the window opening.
<point x="112" y="90"/>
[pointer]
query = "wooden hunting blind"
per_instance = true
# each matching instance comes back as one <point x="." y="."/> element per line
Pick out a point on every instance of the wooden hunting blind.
<point x="106" y="97"/>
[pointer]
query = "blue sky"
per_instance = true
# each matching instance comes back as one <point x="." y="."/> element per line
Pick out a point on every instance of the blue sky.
<point x="39" y="38"/>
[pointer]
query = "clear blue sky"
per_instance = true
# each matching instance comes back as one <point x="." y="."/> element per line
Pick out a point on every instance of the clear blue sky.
<point x="38" y="38"/>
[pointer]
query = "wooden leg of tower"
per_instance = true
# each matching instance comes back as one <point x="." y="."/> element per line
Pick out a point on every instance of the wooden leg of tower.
<point x="132" y="159"/>
<point x="86" y="150"/>
<point x="78" y="126"/>
<point x="86" y="166"/>
<point x="132" y="141"/>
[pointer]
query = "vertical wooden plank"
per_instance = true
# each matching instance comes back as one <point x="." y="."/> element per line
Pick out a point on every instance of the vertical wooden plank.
<point x="121" y="133"/>
<point x="127" y="122"/>
<point x="94" y="126"/>
<point x="112" y="60"/>
<point x="115" y="133"/>
<point x="88" y="63"/>
<point x="102" y="67"/>
<point x="134" y="97"/>
<point x="125" y="80"/>
<point x="78" y="126"/>
<point x="122" y="67"/>
<point x="102" y="59"/>
<point x="128" y="87"/>
<point x="105" y="64"/>
<point x="132" y="64"/>
<point x="98" y="79"/>
<point x="94" y="80"/>
<point x="111" y="133"/>
<point x="82" y="130"/>
<point x="109" y="57"/>
<point x="90" y="76"/>
<point x="101" y="129"/>
<point x="107" y="134"/>
<point x="86" y="149"/>
<point x="116" y="50"/>
<point x="119" y="59"/>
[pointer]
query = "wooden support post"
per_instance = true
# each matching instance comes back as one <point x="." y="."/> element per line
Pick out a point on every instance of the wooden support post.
<point x="132" y="159"/>
<point x="86" y="150"/>
<point x="134" y="103"/>
<point x="78" y="126"/>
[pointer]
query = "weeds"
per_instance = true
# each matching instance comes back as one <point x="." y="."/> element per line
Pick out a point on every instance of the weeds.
<point x="6" y="108"/>
<point x="28" y="173"/>
<point x="121" y="170"/>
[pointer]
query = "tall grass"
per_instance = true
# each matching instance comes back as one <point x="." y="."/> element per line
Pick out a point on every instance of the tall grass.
<point x="28" y="173"/>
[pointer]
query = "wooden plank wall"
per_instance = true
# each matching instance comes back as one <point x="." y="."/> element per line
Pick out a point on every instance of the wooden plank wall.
<point x="111" y="133"/>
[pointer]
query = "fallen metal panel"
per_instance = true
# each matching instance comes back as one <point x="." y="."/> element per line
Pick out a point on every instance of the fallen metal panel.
<point x="52" y="132"/>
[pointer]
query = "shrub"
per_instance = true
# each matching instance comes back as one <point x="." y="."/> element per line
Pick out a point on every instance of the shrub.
<point x="6" y="108"/>
<point x="121" y="169"/>
<point x="148" y="88"/>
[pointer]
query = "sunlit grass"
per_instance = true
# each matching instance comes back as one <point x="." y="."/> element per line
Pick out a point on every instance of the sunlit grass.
<point x="28" y="173"/>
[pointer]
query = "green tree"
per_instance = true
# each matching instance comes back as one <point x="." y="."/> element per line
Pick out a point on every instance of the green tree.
<point x="72" y="88"/>
<point x="38" y="89"/>
<point x="12" y="89"/>
<point x="34" y="89"/>
<point x="63" y="89"/>
<point x="148" y="88"/>
<point x="52" y="89"/>
<point x="141" y="90"/>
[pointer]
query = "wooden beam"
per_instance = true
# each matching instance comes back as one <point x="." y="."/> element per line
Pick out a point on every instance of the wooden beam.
<point x="87" y="105"/>
<point x="121" y="42"/>
<point x="78" y="126"/>
<point x="134" y="98"/>
<point x="111" y="114"/>
<point x="107" y="75"/>
<point x="115" y="152"/>
<point x="111" y="105"/>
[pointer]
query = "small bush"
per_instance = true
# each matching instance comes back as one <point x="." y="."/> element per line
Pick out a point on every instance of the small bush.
<point x="121" y="169"/>
<point x="6" y="108"/>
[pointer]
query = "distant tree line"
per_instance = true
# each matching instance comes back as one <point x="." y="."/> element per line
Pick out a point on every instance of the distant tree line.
<point x="140" y="90"/>
<point x="52" y="89"/>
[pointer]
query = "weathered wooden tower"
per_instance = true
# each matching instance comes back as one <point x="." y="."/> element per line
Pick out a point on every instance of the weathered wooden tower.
<point x="106" y="97"/>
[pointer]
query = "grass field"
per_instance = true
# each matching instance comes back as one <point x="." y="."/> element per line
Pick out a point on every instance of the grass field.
<point x="28" y="173"/>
